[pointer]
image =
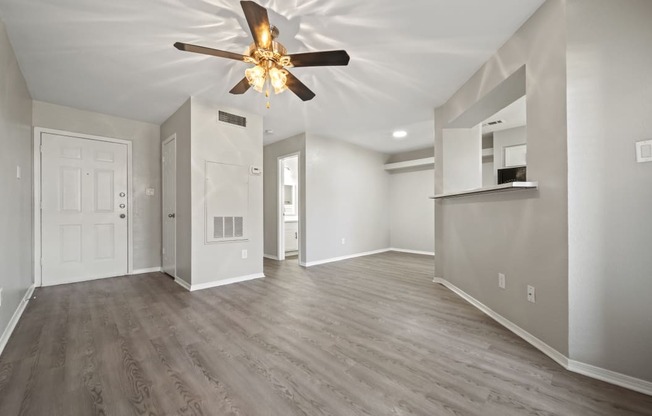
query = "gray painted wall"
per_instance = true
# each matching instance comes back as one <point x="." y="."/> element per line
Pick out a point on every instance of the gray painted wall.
<point x="179" y="124"/>
<point x="412" y="155"/>
<point x="16" y="267"/>
<point x="412" y="217"/>
<point x="462" y="162"/>
<point x="522" y="234"/>
<point x="146" y="157"/>
<point x="225" y="143"/>
<point x="271" y="153"/>
<point x="347" y="194"/>
<point x="610" y="195"/>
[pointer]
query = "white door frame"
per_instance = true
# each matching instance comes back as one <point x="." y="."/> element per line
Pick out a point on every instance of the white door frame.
<point x="166" y="141"/>
<point x="280" y="223"/>
<point x="38" y="131"/>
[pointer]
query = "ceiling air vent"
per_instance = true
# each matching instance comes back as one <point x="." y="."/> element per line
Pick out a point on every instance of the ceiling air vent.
<point x="232" y="119"/>
<point x="492" y="123"/>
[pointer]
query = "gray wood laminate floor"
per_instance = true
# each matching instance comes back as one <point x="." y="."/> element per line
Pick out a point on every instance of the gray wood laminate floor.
<point x="367" y="336"/>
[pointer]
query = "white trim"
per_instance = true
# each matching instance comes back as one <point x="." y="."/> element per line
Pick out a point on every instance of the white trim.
<point x="38" y="131"/>
<point x="182" y="283"/>
<point x="173" y="137"/>
<point x="280" y="221"/>
<point x="403" y="250"/>
<point x="428" y="161"/>
<point x="216" y="283"/>
<point x="619" y="379"/>
<point x="349" y="256"/>
<point x="13" y="322"/>
<point x="148" y="270"/>
<point x="269" y="256"/>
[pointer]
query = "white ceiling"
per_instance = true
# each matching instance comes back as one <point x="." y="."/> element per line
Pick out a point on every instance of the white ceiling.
<point x="116" y="57"/>
<point x="514" y="115"/>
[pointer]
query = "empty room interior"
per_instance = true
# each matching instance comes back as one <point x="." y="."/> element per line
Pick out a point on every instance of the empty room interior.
<point x="338" y="207"/>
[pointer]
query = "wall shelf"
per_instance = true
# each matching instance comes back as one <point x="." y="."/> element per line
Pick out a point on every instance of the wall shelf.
<point x="428" y="161"/>
<point x="512" y="186"/>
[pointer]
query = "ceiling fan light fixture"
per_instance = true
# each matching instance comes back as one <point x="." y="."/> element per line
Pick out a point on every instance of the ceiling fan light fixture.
<point x="269" y="58"/>
<point x="256" y="76"/>
<point x="278" y="79"/>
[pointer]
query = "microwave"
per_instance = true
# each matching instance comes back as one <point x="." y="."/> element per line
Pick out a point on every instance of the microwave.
<point x="516" y="174"/>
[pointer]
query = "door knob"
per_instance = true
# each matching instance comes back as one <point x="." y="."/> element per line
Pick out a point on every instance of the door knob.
<point x="171" y="215"/>
<point x="122" y="215"/>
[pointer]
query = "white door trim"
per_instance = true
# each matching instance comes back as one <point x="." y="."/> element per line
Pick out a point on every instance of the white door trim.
<point x="280" y="221"/>
<point x="38" y="131"/>
<point x="166" y="141"/>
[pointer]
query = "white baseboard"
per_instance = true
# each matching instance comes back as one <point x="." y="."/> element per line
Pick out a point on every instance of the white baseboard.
<point x="269" y="256"/>
<point x="403" y="250"/>
<point x="619" y="379"/>
<point x="182" y="283"/>
<point x="216" y="283"/>
<point x="149" y="270"/>
<point x="350" y="256"/>
<point x="6" y="334"/>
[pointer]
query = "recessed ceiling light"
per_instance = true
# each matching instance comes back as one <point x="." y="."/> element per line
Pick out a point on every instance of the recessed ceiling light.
<point x="399" y="134"/>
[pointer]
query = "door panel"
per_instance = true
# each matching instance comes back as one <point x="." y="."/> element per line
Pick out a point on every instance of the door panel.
<point x="169" y="207"/>
<point x="84" y="209"/>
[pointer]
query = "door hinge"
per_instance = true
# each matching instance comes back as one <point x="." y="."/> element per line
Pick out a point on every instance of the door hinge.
<point x="40" y="148"/>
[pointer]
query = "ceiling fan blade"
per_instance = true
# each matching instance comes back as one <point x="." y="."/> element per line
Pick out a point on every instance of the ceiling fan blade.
<point x="299" y="88"/>
<point x="258" y="23"/>
<point x="327" y="58"/>
<point x="208" y="51"/>
<point x="241" y="87"/>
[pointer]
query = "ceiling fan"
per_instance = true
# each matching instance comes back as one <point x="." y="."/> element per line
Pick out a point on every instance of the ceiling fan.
<point x="270" y="58"/>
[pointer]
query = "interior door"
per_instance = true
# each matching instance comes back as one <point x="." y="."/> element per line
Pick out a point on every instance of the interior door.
<point x="169" y="207"/>
<point x="84" y="207"/>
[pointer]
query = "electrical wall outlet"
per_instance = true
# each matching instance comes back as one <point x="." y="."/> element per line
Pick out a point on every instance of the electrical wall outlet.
<point x="531" y="294"/>
<point x="501" y="280"/>
<point x="244" y="254"/>
<point x="344" y="241"/>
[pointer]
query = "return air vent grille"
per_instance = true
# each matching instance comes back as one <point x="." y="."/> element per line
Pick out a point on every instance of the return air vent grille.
<point x="228" y="227"/>
<point x="493" y="123"/>
<point x="232" y="119"/>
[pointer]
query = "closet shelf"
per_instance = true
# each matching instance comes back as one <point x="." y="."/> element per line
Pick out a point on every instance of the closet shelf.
<point x="428" y="161"/>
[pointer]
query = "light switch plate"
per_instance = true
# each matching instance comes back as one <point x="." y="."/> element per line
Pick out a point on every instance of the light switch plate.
<point x="244" y="254"/>
<point x="644" y="151"/>
<point x="18" y="172"/>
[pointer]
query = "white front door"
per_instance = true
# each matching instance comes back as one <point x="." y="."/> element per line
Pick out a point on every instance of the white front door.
<point x="169" y="207"/>
<point x="84" y="207"/>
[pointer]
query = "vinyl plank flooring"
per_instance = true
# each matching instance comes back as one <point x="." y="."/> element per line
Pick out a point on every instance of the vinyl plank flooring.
<point x="361" y="337"/>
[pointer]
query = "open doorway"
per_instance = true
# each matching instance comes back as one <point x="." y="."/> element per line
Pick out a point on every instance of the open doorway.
<point x="288" y="209"/>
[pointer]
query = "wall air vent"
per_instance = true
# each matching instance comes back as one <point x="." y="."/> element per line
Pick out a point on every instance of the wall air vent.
<point x="228" y="227"/>
<point x="225" y="117"/>
<point x="492" y="123"/>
